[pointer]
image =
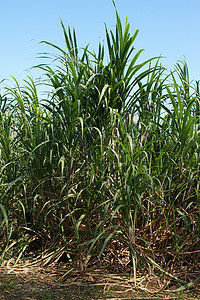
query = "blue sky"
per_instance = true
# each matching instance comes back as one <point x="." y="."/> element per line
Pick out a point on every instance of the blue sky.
<point x="167" y="27"/>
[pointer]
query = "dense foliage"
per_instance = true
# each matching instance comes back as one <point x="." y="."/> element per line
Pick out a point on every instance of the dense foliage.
<point x="109" y="158"/>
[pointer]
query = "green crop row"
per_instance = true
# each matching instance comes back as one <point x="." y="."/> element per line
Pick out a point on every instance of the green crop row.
<point x="109" y="155"/>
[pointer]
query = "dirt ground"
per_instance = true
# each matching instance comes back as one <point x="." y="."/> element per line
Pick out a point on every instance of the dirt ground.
<point x="29" y="282"/>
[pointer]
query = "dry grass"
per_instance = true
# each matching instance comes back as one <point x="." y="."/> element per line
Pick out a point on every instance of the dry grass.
<point x="36" y="280"/>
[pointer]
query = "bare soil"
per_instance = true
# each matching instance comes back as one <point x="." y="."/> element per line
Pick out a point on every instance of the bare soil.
<point x="59" y="281"/>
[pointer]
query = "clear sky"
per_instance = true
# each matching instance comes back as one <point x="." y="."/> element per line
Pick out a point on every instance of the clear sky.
<point x="167" y="27"/>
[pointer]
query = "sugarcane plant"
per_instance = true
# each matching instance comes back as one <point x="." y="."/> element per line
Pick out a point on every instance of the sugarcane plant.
<point x="109" y="156"/>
